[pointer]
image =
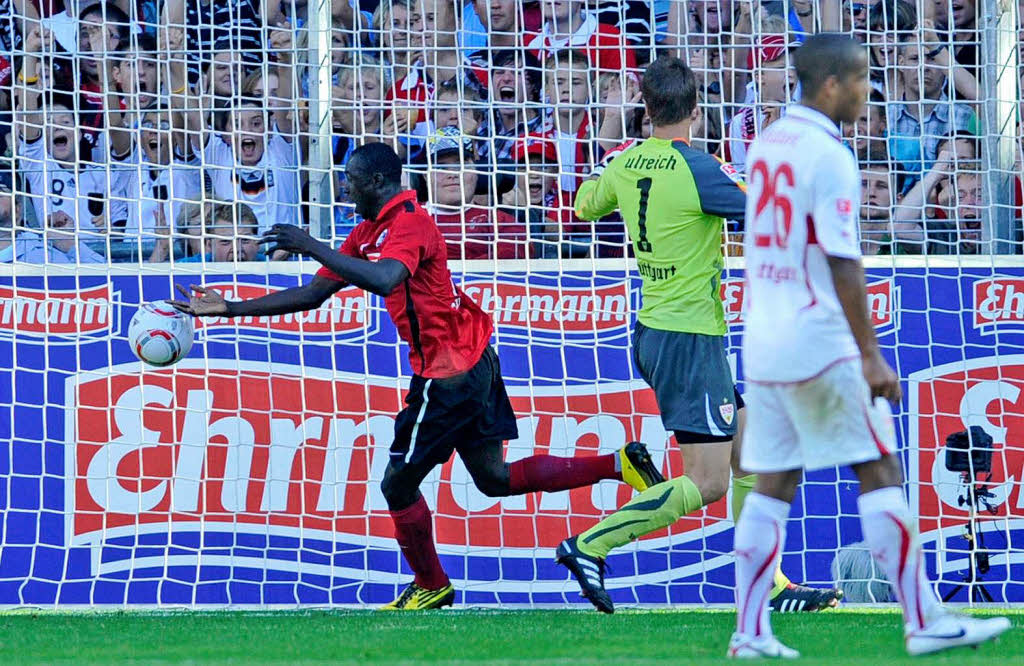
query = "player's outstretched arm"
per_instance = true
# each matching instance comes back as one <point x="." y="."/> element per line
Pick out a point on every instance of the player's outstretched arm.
<point x="848" y="278"/>
<point x="203" y="302"/>
<point x="377" y="277"/>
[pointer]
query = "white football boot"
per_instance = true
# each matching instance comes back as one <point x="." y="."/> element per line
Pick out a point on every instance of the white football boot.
<point x="767" y="647"/>
<point x="950" y="630"/>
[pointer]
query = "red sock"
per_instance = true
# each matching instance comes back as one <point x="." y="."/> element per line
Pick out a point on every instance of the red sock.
<point x="551" y="474"/>
<point x="415" y="535"/>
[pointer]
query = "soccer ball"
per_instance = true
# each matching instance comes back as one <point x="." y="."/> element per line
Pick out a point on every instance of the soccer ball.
<point x="159" y="334"/>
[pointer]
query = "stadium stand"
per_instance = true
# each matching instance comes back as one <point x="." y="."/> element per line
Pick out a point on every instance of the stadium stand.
<point x="122" y="119"/>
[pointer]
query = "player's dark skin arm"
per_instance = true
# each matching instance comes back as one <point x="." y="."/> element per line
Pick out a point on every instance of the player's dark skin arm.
<point x="848" y="279"/>
<point x="208" y="303"/>
<point x="377" y="277"/>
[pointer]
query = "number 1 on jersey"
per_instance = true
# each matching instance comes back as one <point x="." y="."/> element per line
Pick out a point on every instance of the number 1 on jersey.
<point x="642" y="244"/>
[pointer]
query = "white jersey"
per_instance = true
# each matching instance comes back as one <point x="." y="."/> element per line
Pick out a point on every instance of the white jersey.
<point x="271" y="187"/>
<point x="802" y="201"/>
<point x="149" y="188"/>
<point x="53" y="187"/>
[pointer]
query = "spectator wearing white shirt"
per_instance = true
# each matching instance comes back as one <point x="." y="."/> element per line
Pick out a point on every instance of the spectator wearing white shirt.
<point x="247" y="163"/>
<point x="156" y="182"/>
<point x="772" y="88"/>
<point x="50" y="152"/>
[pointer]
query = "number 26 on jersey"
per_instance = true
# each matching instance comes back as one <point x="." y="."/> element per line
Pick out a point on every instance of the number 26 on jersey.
<point x="773" y="212"/>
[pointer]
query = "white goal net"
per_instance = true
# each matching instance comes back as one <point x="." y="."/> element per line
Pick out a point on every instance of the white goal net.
<point x="149" y="144"/>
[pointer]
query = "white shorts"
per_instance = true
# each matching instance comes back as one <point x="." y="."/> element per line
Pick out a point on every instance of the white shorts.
<point x="826" y="421"/>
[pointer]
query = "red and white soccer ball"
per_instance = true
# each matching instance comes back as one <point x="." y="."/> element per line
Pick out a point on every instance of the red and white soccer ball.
<point x="159" y="334"/>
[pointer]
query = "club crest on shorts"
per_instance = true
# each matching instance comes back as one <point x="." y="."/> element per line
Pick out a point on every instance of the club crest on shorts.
<point x="728" y="412"/>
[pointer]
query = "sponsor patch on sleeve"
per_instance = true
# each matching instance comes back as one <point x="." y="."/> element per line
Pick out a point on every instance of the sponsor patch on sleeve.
<point x="731" y="173"/>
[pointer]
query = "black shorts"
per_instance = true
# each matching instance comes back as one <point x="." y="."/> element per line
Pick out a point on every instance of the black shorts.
<point x="692" y="383"/>
<point x="442" y="415"/>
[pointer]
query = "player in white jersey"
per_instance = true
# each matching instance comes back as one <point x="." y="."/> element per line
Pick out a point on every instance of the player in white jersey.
<point x="817" y="385"/>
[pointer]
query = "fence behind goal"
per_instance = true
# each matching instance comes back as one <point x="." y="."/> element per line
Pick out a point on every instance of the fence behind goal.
<point x="249" y="473"/>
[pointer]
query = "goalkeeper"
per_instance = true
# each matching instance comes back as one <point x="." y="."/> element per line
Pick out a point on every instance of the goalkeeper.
<point x="673" y="199"/>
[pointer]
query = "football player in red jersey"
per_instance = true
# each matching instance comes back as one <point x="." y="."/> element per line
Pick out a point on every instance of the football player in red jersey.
<point x="457" y="399"/>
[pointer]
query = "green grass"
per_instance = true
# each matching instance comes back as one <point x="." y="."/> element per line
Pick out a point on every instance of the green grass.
<point x="846" y="636"/>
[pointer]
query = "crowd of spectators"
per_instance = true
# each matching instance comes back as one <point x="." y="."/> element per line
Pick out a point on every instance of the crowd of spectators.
<point x="180" y="130"/>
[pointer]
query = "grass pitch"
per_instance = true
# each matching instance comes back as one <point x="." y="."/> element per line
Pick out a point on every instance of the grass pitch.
<point x="845" y="636"/>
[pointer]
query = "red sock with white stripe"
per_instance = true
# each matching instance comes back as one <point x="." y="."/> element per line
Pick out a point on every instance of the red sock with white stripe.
<point x="891" y="535"/>
<point x="760" y="535"/>
<point x="551" y="474"/>
<point x="415" y="535"/>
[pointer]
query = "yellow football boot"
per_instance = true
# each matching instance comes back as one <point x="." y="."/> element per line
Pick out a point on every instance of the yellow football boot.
<point x="416" y="598"/>
<point x="637" y="468"/>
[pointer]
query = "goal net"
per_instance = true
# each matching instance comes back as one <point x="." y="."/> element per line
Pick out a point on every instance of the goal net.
<point x="150" y="147"/>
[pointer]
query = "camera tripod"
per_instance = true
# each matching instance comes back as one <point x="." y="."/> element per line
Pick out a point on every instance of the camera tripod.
<point x="978" y="564"/>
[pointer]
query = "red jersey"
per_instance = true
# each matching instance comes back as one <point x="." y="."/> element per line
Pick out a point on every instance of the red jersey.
<point x="479" y="233"/>
<point x="606" y="47"/>
<point x="446" y="331"/>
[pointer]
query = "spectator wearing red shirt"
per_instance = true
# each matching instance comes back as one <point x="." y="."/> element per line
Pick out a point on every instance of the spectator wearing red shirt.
<point x="568" y="26"/>
<point x="398" y="27"/>
<point x="471" y="232"/>
<point x="441" y="63"/>
<point x="568" y="84"/>
<point x="456" y="400"/>
<point x="535" y="197"/>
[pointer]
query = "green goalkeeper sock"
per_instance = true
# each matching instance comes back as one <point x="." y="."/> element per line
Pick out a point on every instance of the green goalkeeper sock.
<point x="657" y="507"/>
<point x="741" y="487"/>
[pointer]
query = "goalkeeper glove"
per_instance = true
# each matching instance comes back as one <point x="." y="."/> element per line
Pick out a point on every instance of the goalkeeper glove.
<point x="599" y="168"/>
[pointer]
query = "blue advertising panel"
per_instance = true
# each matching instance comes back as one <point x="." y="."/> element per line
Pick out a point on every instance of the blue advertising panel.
<point x="248" y="473"/>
